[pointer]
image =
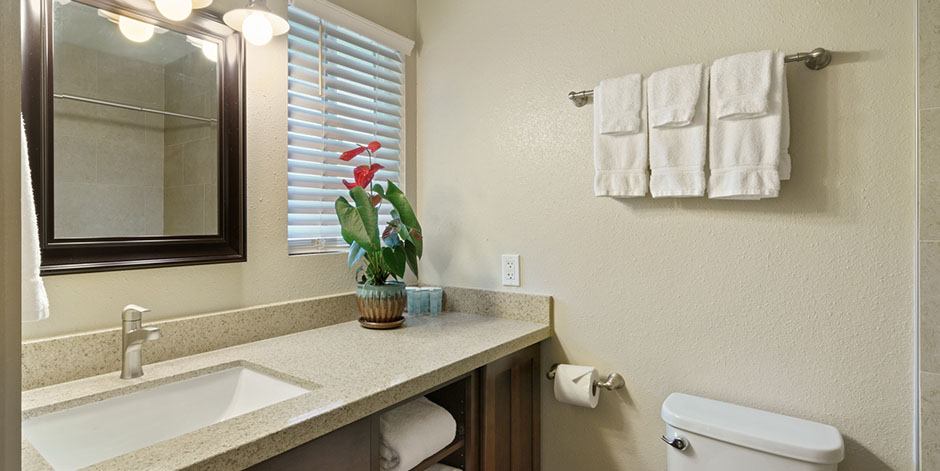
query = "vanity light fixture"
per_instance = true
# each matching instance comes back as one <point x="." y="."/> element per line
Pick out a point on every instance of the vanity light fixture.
<point x="256" y="22"/>
<point x="178" y="10"/>
<point x="135" y="30"/>
<point x="209" y="48"/>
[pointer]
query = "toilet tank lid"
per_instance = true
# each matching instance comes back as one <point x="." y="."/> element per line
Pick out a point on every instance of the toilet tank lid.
<point x="752" y="428"/>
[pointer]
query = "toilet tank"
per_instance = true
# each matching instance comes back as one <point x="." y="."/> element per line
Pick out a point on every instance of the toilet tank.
<point x="725" y="437"/>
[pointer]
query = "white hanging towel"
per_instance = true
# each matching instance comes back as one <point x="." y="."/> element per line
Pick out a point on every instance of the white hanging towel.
<point x="678" y="113"/>
<point x="35" y="303"/>
<point x="748" y="132"/>
<point x="620" y="104"/>
<point x="783" y="169"/>
<point x="621" y="159"/>
<point x="742" y="84"/>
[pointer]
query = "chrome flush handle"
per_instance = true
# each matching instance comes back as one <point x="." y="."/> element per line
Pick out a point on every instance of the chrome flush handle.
<point x="676" y="442"/>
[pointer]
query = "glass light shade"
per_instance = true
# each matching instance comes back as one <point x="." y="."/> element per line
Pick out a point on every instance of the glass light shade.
<point x="257" y="29"/>
<point x="175" y="10"/>
<point x="210" y="50"/>
<point x="136" y="31"/>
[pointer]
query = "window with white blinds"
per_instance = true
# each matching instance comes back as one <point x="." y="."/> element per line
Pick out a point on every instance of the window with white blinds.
<point x="344" y="90"/>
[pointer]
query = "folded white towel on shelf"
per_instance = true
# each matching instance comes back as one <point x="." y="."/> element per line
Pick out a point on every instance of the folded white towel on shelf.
<point x="412" y="432"/>
<point x="441" y="467"/>
<point x="741" y="84"/>
<point x="746" y="153"/>
<point x="678" y="113"/>
<point x="619" y="101"/>
<point x="621" y="160"/>
<point x="34" y="301"/>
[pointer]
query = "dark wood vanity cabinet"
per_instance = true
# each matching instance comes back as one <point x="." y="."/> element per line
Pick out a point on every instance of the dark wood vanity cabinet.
<point x="347" y="449"/>
<point x="496" y="409"/>
<point x="509" y="399"/>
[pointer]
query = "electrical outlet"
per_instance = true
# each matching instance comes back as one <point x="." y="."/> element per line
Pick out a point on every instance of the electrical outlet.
<point x="510" y="270"/>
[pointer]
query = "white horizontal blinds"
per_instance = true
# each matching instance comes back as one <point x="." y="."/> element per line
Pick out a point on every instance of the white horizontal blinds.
<point x="360" y="101"/>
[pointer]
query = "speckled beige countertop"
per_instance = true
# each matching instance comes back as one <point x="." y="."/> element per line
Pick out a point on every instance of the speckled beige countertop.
<point x="359" y="372"/>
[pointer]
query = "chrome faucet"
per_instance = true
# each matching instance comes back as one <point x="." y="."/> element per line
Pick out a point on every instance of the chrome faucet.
<point x="132" y="338"/>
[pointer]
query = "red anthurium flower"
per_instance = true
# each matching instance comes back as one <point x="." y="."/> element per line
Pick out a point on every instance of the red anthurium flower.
<point x="349" y="154"/>
<point x="376" y="200"/>
<point x="363" y="175"/>
<point x="374" y="146"/>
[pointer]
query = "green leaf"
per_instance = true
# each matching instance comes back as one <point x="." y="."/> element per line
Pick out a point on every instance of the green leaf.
<point x="406" y="214"/>
<point x="395" y="259"/>
<point x="354" y="229"/>
<point x="355" y="253"/>
<point x="369" y="216"/>
<point x="398" y="199"/>
<point x="392" y="241"/>
<point x="411" y="256"/>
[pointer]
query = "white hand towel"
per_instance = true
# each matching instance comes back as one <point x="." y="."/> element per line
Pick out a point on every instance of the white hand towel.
<point x="619" y="100"/>
<point x="413" y="432"/>
<point x="783" y="169"/>
<point x="678" y="100"/>
<point x="621" y="160"/>
<point x="673" y="94"/>
<point x="35" y="302"/>
<point x="745" y="154"/>
<point x="741" y="84"/>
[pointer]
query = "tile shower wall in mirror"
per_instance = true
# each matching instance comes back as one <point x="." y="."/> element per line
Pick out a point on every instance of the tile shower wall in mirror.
<point x="124" y="172"/>
<point x="928" y="35"/>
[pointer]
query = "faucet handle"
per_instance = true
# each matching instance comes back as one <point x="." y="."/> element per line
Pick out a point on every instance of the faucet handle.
<point x="132" y="312"/>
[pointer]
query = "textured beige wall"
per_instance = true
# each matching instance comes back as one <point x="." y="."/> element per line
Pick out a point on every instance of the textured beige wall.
<point x="801" y="305"/>
<point x="10" y="236"/>
<point x="93" y="301"/>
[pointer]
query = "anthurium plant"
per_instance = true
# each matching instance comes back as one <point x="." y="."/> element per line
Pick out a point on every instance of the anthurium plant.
<point x="386" y="253"/>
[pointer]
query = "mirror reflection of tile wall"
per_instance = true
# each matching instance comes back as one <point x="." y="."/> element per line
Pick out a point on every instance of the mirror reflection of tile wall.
<point x="190" y="159"/>
<point x="928" y="31"/>
<point x="122" y="172"/>
<point x="108" y="166"/>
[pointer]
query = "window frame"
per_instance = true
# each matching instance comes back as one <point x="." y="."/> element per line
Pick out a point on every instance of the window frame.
<point x="337" y="16"/>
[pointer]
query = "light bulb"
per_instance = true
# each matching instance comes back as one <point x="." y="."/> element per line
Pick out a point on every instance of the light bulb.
<point x="136" y="31"/>
<point x="175" y="10"/>
<point x="210" y="50"/>
<point x="257" y="29"/>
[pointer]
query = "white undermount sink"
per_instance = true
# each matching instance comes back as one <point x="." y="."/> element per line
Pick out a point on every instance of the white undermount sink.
<point x="87" y="434"/>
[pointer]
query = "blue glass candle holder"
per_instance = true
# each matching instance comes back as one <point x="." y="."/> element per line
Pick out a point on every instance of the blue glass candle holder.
<point x="435" y="299"/>
<point x="417" y="301"/>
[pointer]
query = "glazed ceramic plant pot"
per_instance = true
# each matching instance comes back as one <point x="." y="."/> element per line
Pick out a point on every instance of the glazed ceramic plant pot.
<point x="381" y="306"/>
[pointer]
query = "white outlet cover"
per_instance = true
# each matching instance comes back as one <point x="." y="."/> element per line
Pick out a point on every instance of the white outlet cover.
<point x="509" y="269"/>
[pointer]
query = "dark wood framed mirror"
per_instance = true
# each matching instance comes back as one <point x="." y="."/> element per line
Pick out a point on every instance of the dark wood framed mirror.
<point x="135" y="127"/>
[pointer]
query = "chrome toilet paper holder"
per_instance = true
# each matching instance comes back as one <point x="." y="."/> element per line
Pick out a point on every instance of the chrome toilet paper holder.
<point x="614" y="380"/>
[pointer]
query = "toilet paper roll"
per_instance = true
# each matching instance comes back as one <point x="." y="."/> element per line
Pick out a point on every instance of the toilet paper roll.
<point x="575" y="385"/>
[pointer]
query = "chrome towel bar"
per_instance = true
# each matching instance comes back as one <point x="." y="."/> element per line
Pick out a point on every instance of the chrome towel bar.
<point x="816" y="59"/>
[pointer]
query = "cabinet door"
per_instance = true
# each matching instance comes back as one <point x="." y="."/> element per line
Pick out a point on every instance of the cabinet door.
<point x="347" y="449"/>
<point x="510" y="412"/>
